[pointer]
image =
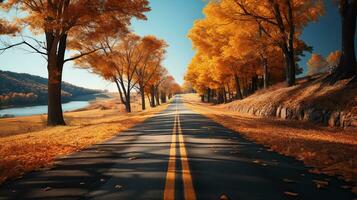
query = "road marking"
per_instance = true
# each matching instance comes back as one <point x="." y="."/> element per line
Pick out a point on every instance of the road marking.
<point x="169" y="192"/>
<point x="189" y="191"/>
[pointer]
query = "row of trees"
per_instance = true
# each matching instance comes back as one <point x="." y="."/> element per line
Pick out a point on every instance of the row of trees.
<point x="133" y="63"/>
<point x="244" y="45"/>
<point x="85" y="27"/>
<point x="17" y="98"/>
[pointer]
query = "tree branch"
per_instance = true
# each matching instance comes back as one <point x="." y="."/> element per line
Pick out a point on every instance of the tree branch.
<point x="80" y="55"/>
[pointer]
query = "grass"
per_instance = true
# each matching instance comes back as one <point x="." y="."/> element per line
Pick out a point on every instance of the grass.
<point x="329" y="150"/>
<point x="26" y="144"/>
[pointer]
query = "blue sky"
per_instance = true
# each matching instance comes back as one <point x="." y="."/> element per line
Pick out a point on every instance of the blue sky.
<point x="170" y="20"/>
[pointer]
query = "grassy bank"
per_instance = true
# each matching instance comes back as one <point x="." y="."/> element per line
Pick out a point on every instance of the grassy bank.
<point x="329" y="150"/>
<point x="26" y="144"/>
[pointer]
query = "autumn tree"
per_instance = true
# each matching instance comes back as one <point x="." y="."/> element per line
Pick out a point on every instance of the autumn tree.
<point x="153" y="51"/>
<point x="64" y="21"/>
<point x="281" y="21"/>
<point x="154" y="85"/>
<point x="166" y="88"/>
<point x="229" y="52"/>
<point x="117" y="61"/>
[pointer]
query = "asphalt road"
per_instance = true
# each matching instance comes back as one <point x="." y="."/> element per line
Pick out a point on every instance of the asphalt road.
<point x="176" y="154"/>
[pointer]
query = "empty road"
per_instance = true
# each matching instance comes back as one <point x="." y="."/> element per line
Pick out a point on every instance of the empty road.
<point x="177" y="154"/>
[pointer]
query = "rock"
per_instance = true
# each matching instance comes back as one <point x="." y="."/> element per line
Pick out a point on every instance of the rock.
<point x="283" y="113"/>
<point x="334" y="119"/>
<point x="354" y="122"/>
<point x="278" y="110"/>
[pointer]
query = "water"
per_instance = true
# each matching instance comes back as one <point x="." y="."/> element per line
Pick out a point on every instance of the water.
<point x="35" y="110"/>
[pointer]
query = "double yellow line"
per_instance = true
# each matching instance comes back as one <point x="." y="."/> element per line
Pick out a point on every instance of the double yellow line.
<point x="169" y="192"/>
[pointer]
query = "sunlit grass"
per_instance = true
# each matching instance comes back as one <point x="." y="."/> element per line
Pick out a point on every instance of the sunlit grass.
<point x="23" y="150"/>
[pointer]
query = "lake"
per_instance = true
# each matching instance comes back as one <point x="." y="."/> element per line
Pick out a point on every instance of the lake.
<point x="35" y="110"/>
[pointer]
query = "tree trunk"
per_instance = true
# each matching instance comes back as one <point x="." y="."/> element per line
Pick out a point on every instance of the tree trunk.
<point x="202" y="98"/>
<point x="123" y="101"/>
<point x="142" y="94"/>
<point x="238" y="91"/>
<point x="55" y="67"/>
<point x="127" y="103"/>
<point x="266" y="75"/>
<point x="347" y="67"/>
<point x="220" y="96"/>
<point x="224" y="95"/>
<point x="55" y="114"/>
<point x="229" y="92"/>
<point x="163" y="97"/>
<point x="152" y="93"/>
<point x="290" y="68"/>
<point x="208" y="95"/>
<point x="157" y="95"/>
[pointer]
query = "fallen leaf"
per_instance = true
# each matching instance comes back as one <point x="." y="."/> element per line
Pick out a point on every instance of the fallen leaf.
<point x="118" y="187"/>
<point x="320" y="184"/>
<point x="133" y="158"/>
<point x="223" y="197"/>
<point x="286" y="180"/>
<point x="345" y="187"/>
<point x="294" y="194"/>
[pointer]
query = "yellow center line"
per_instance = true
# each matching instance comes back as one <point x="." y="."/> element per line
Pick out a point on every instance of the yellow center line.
<point x="169" y="192"/>
<point x="189" y="191"/>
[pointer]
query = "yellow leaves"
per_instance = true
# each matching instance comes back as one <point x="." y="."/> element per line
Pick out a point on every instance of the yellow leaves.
<point x="236" y="35"/>
<point x="8" y="29"/>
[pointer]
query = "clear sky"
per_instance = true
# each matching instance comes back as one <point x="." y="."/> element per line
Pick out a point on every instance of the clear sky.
<point x="170" y="20"/>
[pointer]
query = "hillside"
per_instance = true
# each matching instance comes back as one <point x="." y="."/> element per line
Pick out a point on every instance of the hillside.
<point x="19" y="89"/>
<point x="310" y="100"/>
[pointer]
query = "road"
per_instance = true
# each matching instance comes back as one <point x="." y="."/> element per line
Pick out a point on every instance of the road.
<point x="177" y="154"/>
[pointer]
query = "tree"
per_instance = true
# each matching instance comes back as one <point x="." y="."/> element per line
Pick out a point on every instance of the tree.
<point x="63" y="21"/>
<point x="117" y="62"/>
<point x="153" y="51"/>
<point x="347" y="66"/>
<point x="317" y="64"/>
<point x="281" y="21"/>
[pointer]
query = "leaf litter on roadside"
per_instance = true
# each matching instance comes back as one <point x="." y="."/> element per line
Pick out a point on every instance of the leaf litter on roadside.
<point x="293" y="194"/>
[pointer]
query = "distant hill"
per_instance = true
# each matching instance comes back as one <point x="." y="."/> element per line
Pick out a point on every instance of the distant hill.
<point x="19" y="89"/>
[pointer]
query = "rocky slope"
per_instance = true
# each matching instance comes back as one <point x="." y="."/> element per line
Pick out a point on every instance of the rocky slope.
<point x="310" y="100"/>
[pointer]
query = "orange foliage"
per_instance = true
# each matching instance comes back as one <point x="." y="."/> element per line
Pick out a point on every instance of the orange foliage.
<point x="241" y="39"/>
